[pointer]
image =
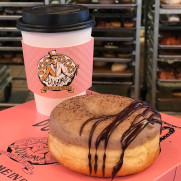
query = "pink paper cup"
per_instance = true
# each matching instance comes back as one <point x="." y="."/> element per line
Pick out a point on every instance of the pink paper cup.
<point x="58" y="53"/>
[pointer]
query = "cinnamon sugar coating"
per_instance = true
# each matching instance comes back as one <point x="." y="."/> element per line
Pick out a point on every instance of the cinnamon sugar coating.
<point x="67" y="118"/>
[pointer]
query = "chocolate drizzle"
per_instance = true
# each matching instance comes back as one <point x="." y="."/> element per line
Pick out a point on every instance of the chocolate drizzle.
<point x="127" y="137"/>
<point x="170" y="132"/>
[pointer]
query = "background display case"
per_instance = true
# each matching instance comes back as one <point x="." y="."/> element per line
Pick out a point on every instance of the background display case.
<point x="116" y="52"/>
<point x="13" y="90"/>
<point x="117" y="47"/>
<point x="163" y="56"/>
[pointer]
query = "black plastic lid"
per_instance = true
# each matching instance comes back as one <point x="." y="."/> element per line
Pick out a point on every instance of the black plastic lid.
<point x="55" y="18"/>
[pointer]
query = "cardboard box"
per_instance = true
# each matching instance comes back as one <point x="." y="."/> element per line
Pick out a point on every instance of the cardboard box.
<point x="24" y="153"/>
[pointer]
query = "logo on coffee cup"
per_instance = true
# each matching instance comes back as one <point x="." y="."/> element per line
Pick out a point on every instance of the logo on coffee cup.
<point x="56" y="72"/>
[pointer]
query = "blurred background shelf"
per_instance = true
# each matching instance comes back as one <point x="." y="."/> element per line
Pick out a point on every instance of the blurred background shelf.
<point x="5" y="48"/>
<point x="8" y="29"/>
<point x="163" y="56"/>
<point x="114" y="38"/>
<point x="110" y="6"/>
<point x="112" y="75"/>
<point x="120" y="60"/>
<point x="13" y="89"/>
<point x="113" y="29"/>
<point x="9" y="17"/>
<point x="10" y="38"/>
<point x="20" y="4"/>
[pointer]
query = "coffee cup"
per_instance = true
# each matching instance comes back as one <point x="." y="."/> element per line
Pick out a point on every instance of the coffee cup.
<point x="58" y="52"/>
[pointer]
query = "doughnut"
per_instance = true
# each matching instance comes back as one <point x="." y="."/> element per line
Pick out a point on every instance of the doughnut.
<point x="129" y="24"/>
<point x="83" y="1"/>
<point x="172" y="40"/>
<point x="173" y="18"/>
<point x="127" y="43"/>
<point x="7" y="55"/>
<point x="99" y="63"/>
<point x="166" y="75"/>
<point x="111" y="46"/>
<point x="125" y="1"/>
<point x="109" y="55"/>
<point x="104" y="135"/>
<point x="101" y="24"/>
<point x="119" y="67"/>
<point x="171" y="2"/>
<point x="176" y="93"/>
<point x="124" y="55"/>
<point x="106" y="1"/>
<point x="116" y="24"/>
<point x="17" y="59"/>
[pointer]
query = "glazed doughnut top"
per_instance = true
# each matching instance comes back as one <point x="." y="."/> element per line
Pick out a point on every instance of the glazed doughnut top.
<point x="108" y="118"/>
